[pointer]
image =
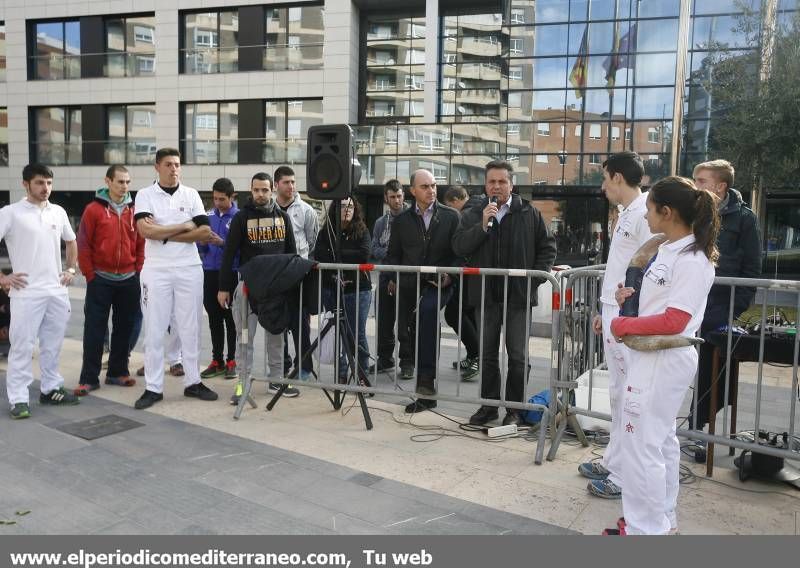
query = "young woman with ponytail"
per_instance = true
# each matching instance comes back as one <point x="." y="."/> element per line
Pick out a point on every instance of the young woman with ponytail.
<point x="672" y="302"/>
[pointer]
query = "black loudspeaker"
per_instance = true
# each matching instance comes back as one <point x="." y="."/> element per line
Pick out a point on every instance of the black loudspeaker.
<point x="331" y="166"/>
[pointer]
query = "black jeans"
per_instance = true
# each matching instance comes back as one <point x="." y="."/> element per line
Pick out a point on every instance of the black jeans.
<point x="220" y="320"/>
<point x="386" y="318"/>
<point x="102" y="295"/>
<point x="469" y="330"/>
<point x="516" y="345"/>
<point x="428" y="311"/>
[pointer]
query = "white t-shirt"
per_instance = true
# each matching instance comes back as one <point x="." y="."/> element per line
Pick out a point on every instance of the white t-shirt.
<point x="630" y="233"/>
<point x="33" y="235"/>
<point x="183" y="205"/>
<point x="678" y="278"/>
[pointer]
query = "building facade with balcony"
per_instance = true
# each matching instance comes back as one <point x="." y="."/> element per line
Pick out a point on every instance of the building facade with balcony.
<point x="553" y="86"/>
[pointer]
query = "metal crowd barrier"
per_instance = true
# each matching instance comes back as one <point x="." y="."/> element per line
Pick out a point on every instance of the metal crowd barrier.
<point x="580" y="357"/>
<point x="390" y="384"/>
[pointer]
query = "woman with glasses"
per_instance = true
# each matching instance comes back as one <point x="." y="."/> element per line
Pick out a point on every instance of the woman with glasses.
<point x="355" y="286"/>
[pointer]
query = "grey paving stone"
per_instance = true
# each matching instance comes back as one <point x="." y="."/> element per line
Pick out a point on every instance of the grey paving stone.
<point x="365" y="479"/>
<point x="124" y="527"/>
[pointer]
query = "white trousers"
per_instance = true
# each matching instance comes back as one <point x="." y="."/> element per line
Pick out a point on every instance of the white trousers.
<point x="649" y="449"/>
<point x="45" y="318"/>
<point x="274" y="341"/>
<point x="617" y="361"/>
<point x="173" y="343"/>
<point x="171" y="294"/>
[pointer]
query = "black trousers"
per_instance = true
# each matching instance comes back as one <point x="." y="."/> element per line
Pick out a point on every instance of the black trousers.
<point x="387" y="315"/>
<point x="300" y="348"/>
<point x="102" y="295"/>
<point x="704" y="382"/>
<point x="220" y="320"/>
<point x="469" y="329"/>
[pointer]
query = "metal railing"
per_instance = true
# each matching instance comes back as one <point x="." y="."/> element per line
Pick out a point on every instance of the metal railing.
<point x="226" y="151"/>
<point x="57" y="66"/>
<point x="360" y="381"/>
<point x="581" y="362"/>
<point x="205" y="60"/>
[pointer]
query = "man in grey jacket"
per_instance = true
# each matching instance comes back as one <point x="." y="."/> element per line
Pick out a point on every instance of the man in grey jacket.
<point x="305" y="224"/>
<point x="393" y="197"/>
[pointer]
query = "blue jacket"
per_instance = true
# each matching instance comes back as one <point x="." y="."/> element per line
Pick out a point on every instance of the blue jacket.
<point x="220" y="224"/>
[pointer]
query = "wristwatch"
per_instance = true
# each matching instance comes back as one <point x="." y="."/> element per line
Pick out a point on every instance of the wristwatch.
<point x="72" y="271"/>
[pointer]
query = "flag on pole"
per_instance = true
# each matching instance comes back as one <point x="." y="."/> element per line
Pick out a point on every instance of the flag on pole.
<point x="580" y="69"/>
<point x="622" y="55"/>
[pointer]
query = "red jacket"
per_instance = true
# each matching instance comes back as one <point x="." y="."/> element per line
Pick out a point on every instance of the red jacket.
<point x="108" y="242"/>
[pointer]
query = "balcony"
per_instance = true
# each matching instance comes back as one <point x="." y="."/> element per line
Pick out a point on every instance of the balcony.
<point x="205" y="60"/>
<point x="59" y="66"/>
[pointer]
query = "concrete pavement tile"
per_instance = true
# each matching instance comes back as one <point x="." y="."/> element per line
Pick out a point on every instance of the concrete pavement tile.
<point x="124" y="527"/>
<point x="32" y="435"/>
<point x="541" y="502"/>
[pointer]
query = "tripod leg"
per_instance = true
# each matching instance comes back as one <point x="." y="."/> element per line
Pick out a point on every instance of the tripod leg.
<point x="365" y="411"/>
<point x="271" y="404"/>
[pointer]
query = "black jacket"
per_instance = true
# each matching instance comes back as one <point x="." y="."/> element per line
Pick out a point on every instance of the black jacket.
<point x="739" y="244"/>
<point x="410" y="244"/>
<point x="272" y="282"/>
<point x="353" y="250"/>
<point x="521" y="240"/>
<point x="255" y="231"/>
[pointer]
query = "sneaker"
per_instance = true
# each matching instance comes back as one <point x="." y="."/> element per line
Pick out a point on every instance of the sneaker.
<point x="20" y="410"/>
<point x="383" y="365"/>
<point x="464" y="363"/>
<point x="215" y="369"/>
<point x="201" y="391"/>
<point x="148" y="399"/>
<point x="230" y="370"/>
<point x="605" y="489"/>
<point x="176" y="370"/>
<point x="290" y="392"/>
<point x="237" y="394"/>
<point x="593" y="470"/>
<point x="140" y="371"/>
<point x="407" y="373"/>
<point x="59" y="397"/>
<point x="306" y="375"/>
<point x="469" y="368"/>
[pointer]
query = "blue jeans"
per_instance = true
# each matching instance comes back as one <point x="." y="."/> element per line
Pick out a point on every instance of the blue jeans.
<point x="349" y="305"/>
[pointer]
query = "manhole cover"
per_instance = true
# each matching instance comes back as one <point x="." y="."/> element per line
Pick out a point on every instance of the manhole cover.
<point x="98" y="427"/>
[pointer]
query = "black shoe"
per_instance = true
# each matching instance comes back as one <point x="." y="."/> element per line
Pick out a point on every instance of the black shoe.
<point x="383" y="365"/>
<point x="485" y="414"/>
<point x="420" y="405"/>
<point x="514" y="416"/>
<point x="201" y="391"/>
<point x="59" y="397"/>
<point x="148" y="399"/>
<point x="406" y="373"/>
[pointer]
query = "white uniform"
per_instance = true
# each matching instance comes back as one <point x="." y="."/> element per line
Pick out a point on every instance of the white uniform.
<point x="172" y="284"/>
<point x="655" y="386"/>
<point x="630" y="233"/>
<point x="33" y="235"/>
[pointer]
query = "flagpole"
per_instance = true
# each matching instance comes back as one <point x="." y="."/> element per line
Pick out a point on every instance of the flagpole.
<point x="615" y="47"/>
<point x="583" y="94"/>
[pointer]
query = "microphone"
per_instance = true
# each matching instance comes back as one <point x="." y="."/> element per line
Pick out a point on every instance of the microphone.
<point x="490" y="224"/>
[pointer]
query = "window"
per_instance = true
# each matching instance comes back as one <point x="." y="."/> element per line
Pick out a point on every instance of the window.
<point x="595" y="159"/>
<point x="515" y="46"/>
<point x="130" y="46"/>
<point x="56" y="50"/>
<point x="517" y="16"/>
<point x="131" y="134"/>
<point x="541" y="159"/>
<point x="595" y="131"/>
<point x="627" y="134"/>
<point x="654" y="135"/>
<point x="543" y="129"/>
<point x="211" y="42"/>
<point x="56" y="137"/>
<point x="210" y="132"/>
<point x="615" y="132"/>
<point x="578" y="130"/>
<point x="3" y="56"/>
<point x="3" y="137"/>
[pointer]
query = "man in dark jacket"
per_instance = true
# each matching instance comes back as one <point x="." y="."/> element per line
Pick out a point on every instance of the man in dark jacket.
<point x="739" y="244"/>
<point x="111" y="255"/>
<point x="220" y="320"/>
<point x="422" y="236"/>
<point x="505" y="232"/>
<point x="260" y="227"/>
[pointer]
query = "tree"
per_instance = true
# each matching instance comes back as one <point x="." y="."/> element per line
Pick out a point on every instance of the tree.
<point x="754" y="104"/>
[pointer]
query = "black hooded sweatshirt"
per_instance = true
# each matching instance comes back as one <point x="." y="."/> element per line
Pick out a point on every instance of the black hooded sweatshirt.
<point x="254" y="231"/>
